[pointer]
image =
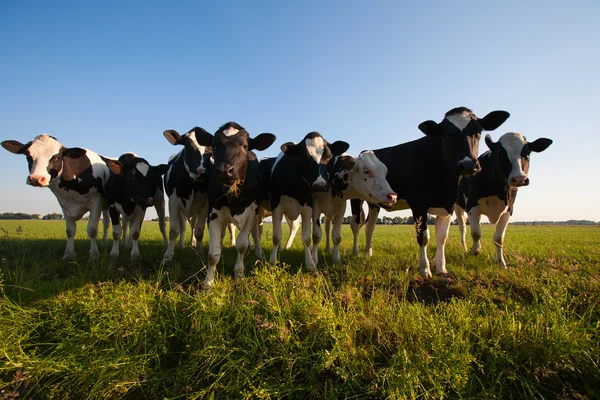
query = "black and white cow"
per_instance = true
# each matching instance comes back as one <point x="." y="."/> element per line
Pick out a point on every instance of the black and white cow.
<point x="299" y="172"/>
<point x="233" y="190"/>
<point x="425" y="175"/>
<point x="493" y="191"/>
<point x="75" y="175"/>
<point x="133" y="186"/>
<point x="362" y="177"/>
<point x="186" y="184"/>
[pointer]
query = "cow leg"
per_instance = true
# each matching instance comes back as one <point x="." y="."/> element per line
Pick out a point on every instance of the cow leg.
<point x="294" y="225"/>
<point x="105" y="223"/>
<point x="356" y="222"/>
<point x="193" y="224"/>
<point x="136" y="227"/>
<point x="306" y="222"/>
<point x="115" y="215"/>
<point x="243" y="240"/>
<point x="442" y="224"/>
<point x="474" y="220"/>
<point x="461" y="217"/>
<point x="174" y="231"/>
<point x="92" y="228"/>
<point x="317" y="233"/>
<point x="159" y="206"/>
<point x="215" y="228"/>
<point x="338" y="219"/>
<point x="231" y="228"/>
<point x="198" y="231"/>
<point x="182" y="229"/>
<point x="371" y="222"/>
<point x="276" y="217"/>
<point x="71" y="229"/>
<point x="423" y="240"/>
<point x="327" y="235"/>
<point x="124" y="225"/>
<point x="256" y="238"/>
<point x="499" y="238"/>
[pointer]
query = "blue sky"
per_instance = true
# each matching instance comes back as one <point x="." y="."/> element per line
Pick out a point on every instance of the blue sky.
<point x="111" y="76"/>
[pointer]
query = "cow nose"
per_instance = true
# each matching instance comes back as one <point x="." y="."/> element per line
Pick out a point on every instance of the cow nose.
<point x="392" y="197"/>
<point x="520" y="180"/>
<point x="230" y="172"/>
<point x="36" y="180"/>
<point x="200" y="170"/>
<point x="468" y="167"/>
<point x="149" y="202"/>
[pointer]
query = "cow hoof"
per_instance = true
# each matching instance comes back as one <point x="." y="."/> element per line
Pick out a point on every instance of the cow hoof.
<point x="502" y="264"/>
<point x="94" y="255"/>
<point x="114" y="256"/>
<point x="68" y="257"/>
<point x="426" y="274"/>
<point x="336" y="260"/>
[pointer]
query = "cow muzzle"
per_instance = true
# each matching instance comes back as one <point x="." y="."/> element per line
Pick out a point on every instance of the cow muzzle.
<point x="228" y="174"/>
<point x="518" y="181"/>
<point x="468" y="167"/>
<point x="38" y="181"/>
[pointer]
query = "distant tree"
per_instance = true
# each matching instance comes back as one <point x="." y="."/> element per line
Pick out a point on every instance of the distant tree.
<point x="35" y="216"/>
<point x="53" y="216"/>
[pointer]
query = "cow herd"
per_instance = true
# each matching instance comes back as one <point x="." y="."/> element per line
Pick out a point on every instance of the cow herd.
<point x="218" y="180"/>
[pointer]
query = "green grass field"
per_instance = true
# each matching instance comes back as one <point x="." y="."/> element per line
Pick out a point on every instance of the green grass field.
<point x="369" y="328"/>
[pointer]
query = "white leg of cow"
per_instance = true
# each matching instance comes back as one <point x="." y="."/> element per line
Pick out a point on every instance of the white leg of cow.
<point x="355" y="226"/>
<point x="256" y="238"/>
<point x="327" y="235"/>
<point x="306" y="224"/>
<point x="442" y="224"/>
<point x="242" y="241"/>
<point x="193" y="223"/>
<point x="71" y="229"/>
<point x="136" y="227"/>
<point x="117" y="231"/>
<point x="92" y="228"/>
<point x="423" y="261"/>
<point x="371" y="221"/>
<point x="499" y="238"/>
<point x="317" y="233"/>
<point x="294" y="225"/>
<point x="174" y="231"/>
<point x="215" y="228"/>
<point x="159" y="206"/>
<point x="474" y="220"/>
<point x="124" y="224"/>
<point x="338" y="218"/>
<point x="105" y="223"/>
<point x="277" y="217"/>
<point x="461" y="217"/>
<point x="231" y="229"/>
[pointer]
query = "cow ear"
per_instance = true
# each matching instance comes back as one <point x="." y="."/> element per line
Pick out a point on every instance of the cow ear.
<point x="490" y="142"/>
<point x="262" y="141"/>
<point x="338" y="147"/>
<point x="290" y="149"/>
<point x="493" y="120"/>
<point x="203" y="137"/>
<point x="161" y="169"/>
<point x="15" y="147"/>
<point x="173" y="137"/>
<point x="74" y="152"/>
<point x="115" y="166"/>
<point x="539" y="145"/>
<point x="431" y="128"/>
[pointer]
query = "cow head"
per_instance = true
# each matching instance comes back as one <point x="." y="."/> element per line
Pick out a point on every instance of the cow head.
<point x="39" y="153"/>
<point x="196" y="157"/>
<point x="232" y="150"/>
<point x="137" y="179"/>
<point x="511" y="156"/>
<point x="316" y="154"/>
<point x="460" y="132"/>
<point x="363" y="177"/>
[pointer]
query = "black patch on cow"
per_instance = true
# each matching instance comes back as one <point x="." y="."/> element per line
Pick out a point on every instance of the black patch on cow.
<point x="77" y="172"/>
<point x="213" y="216"/>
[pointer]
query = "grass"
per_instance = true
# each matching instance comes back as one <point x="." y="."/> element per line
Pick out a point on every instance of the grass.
<point x="369" y="328"/>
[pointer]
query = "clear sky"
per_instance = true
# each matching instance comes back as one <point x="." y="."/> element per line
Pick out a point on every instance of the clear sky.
<point x="111" y="76"/>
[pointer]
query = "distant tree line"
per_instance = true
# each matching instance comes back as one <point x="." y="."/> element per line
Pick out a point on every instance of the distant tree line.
<point x="30" y="216"/>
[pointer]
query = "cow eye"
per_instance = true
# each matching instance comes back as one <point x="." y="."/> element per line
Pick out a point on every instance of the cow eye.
<point x="245" y="147"/>
<point x="366" y="171"/>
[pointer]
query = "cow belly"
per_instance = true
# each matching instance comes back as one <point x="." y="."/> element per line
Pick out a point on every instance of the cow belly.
<point x="74" y="204"/>
<point x="492" y="207"/>
<point x="328" y="205"/>
<point x="239" y="220"/>
<point x="290" y="207"/>
<point x="192" y="205"/>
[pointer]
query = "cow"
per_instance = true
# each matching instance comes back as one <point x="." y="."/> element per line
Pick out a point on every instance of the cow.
<point x="186" y="184"/>
<point x="492" y="192"/>
<point x="425" y="175"/>
<point x="233" y="190"/>
<point x="75" y="175"/>
<point x="299" y="172"/>
<point x="133" y="186"/>
<point x="362" y="177"/>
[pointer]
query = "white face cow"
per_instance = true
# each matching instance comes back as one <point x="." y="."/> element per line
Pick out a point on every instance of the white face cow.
<point x="512" y="151"/>
<point x="196" y="157"/>
<point x="39" y="153"/>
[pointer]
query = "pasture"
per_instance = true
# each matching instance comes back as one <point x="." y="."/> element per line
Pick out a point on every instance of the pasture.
<point x="368" y="328"/>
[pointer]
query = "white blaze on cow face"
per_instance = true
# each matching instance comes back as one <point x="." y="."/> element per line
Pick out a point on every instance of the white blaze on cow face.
<point x="316" y="148"/>
<point x="369" y="180"/>
<point x="143" y="168"/>
<point x="461" y="120"/>
<point x="42" y="149"/>
<point x="196" y="147"/>
<point x="513" y="144"/>
<point x="230" y="131"/>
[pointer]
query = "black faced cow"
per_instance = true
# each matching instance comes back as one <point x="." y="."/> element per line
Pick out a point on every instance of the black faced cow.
<point x="425" y="175"/>
<point x="299" y="172"/>
<point x="133" y="186"/>
<point x="493" y="191"/>
<point x="233" y="190"/>
<point x="362" y="177"/>
<point x="186" y="184"/>
<point x="76" y="176"/>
